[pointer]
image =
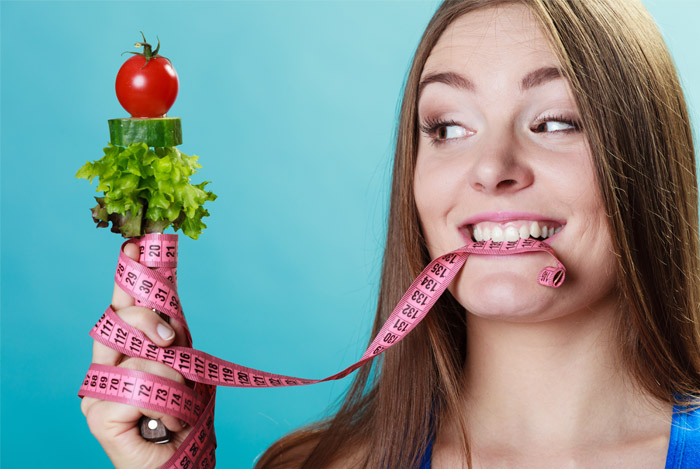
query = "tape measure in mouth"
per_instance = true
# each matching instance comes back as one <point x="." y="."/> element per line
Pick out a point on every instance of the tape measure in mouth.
<point x="152" y="282"/>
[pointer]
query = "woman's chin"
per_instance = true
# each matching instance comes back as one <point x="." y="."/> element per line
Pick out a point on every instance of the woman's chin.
<point x="509" y="295"/>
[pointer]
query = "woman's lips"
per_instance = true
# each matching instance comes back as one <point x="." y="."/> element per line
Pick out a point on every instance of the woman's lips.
<point x="509" y="226"/>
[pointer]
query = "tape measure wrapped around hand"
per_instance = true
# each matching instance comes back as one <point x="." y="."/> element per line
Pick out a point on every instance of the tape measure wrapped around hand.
<point x="147" y="189"/>
<point x="144" y="177"/>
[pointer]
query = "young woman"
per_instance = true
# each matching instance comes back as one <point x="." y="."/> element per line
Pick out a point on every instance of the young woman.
<point x="554" y="119"/>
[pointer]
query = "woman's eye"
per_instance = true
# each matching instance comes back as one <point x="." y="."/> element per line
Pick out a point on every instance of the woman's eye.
<point x="557" y="125"/>
<point x="441" y="132"/>
<point x="447" y="132"/>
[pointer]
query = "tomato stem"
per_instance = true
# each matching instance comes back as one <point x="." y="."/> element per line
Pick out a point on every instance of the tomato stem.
<point x="147" y="52"/>
<point x="146" y="49"/>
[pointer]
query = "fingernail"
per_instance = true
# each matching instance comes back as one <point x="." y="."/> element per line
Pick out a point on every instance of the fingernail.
<point x="165" y="332"/>
<point x="183" y="423"/>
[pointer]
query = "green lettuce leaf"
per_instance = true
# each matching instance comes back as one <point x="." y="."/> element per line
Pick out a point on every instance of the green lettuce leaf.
<point x="146" y="190"/>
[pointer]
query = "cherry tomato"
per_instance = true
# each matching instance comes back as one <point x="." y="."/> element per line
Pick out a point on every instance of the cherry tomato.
<point x="147" y="83"/>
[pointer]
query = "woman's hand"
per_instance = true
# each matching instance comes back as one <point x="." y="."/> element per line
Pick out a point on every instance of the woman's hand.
<point x="115" y="425"/>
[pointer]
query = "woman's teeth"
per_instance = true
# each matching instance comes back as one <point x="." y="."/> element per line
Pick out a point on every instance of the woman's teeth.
<point x="512" y="231"/>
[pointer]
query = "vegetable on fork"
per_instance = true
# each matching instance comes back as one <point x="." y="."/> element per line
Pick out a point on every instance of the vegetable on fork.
<point x="145" y="179"/>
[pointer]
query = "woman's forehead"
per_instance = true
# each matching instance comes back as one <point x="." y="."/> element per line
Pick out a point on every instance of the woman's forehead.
<point x="499" y="34"/>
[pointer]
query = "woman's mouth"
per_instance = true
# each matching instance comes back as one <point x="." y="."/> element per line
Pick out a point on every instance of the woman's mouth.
<point x="511" y="230"/>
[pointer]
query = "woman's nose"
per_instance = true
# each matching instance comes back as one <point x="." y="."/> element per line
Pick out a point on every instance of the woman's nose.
<point x="501" y="168"/>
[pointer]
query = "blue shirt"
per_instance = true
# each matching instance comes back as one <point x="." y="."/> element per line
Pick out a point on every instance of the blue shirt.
<point x="683" y="446"/>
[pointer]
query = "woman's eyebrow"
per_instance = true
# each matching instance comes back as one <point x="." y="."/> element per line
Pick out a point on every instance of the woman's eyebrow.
<point x="540" y="77"/>
<point x="535" y="78"/>
<point x="452" y="79"/>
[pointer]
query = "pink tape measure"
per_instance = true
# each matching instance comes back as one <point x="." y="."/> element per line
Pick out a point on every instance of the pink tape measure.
<point x="152" y="282"/>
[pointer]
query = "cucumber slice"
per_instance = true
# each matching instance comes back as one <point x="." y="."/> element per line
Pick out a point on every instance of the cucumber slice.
<point x="155" y="132"/>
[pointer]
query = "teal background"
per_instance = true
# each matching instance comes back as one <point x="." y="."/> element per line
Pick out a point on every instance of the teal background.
<point x="291" y="107"/>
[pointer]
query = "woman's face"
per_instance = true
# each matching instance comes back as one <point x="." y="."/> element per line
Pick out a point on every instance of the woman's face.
<point x="501" y="156"/>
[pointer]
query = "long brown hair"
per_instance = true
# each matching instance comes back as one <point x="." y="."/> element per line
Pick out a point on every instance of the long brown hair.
<point x="637" y="125"/>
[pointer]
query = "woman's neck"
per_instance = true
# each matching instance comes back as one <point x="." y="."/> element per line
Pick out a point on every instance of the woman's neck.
<point x="558" y="382"/>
